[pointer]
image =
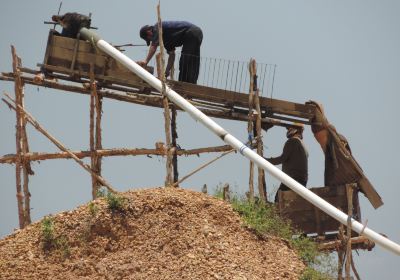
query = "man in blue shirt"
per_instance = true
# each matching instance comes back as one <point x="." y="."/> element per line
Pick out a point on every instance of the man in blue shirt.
<point x="176" y="34"/>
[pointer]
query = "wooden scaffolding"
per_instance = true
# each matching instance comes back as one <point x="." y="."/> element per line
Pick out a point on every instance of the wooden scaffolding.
<point x="75" y="66"/>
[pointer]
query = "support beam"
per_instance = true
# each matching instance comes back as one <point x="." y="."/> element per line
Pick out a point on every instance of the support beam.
<point x="18" y="136"/>
<point x="36" y="125"/>
<point x="11" y="159"/>
<point x="250" y="127"/>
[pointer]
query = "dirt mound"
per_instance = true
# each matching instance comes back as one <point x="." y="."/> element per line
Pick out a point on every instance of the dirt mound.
<point x="161" y="234"/>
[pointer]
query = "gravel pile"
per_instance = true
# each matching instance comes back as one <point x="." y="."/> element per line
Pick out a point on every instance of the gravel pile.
<point x="162" y="233"/>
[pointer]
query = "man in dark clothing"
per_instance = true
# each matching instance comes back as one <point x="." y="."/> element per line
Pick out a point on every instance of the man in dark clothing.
<point x="294" y="158"/>
<point x="72" y="23"/>
<point x="176" y="34"/>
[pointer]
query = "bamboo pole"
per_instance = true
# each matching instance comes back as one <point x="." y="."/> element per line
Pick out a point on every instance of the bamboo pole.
<point x="174" y="135"/>
<point x="202" y="167"/>
<point x="261" y="174"/>
<point x="349" y="190"/>
<point x="91" y="132"/>
<point x="93" y="157"/>
<point x="18" y="163"/>
<point x="358" y="242"/>
<point x="167" y="118"/>
<point x="98" y="142"/>
<point x="35" y="124"/>
<point x="26" y="166"/>
<point x="250" y="127"/>
<point x="10" y="159"/>
<point x="341" y="252"/>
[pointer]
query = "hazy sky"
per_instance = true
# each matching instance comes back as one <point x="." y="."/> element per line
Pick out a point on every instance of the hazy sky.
<point x="344" y="54"/>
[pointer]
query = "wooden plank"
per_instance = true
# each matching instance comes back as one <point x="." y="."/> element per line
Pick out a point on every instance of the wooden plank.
<point x="81" y="58"/>
<point x="307" y="217"/>
<point x="135" y="83"/>
<point x="69" y="44"/>
<point x="240" y="99"/>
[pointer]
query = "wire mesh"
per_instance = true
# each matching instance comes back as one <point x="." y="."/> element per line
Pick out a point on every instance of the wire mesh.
<point x="230" y="75"/>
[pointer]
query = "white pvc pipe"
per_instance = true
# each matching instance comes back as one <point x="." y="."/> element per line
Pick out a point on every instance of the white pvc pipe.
<point x="238" y="145"/>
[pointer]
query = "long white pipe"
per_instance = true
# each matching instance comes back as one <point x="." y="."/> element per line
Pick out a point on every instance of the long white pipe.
<point x="238" y="145"/>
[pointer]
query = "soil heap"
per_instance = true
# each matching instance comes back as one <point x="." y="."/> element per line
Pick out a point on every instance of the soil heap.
<point x="162" y="233"/>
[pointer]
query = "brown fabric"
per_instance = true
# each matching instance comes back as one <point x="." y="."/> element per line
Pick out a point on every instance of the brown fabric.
<point x="339" y="167"/>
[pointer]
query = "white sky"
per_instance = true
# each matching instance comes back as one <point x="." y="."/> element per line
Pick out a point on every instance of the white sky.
<point x="344" y="54"/>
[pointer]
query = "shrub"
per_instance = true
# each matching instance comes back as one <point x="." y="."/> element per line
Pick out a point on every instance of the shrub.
<point x="264" y="219"/>
<point x="50" y="240"/>
<point x="48" y="235"/>
<point x="93" y="209"/>
<point x="114" y="201"/>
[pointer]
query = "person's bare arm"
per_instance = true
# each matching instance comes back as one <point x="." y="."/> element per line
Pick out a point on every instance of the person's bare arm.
<point x="150" y="54"/>
<point x="170" y="63"/>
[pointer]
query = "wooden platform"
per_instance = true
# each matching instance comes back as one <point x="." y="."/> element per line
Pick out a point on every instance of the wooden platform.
<point x="72" y="58"/>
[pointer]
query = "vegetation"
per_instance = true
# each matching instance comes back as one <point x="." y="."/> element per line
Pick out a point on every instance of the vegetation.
<point x="114" y="201"/>
<point x="93" y="208"/>
<point x="51" y="240"/>
<point x="48" y="235"/>
<point x="263" y="218"/>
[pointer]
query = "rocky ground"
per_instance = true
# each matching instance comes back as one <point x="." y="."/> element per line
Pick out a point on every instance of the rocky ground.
<point x="162" y="233"/>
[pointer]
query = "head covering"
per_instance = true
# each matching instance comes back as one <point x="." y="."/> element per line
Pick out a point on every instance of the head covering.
<point x="296" y="129"/>
<point x="143" y="33"/>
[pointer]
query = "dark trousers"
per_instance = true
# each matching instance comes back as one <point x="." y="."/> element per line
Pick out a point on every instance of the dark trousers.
<point x="189" y="63"/>
<point x="283" y="188"/>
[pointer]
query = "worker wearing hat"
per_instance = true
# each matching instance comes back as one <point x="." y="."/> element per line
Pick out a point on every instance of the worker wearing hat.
<point x="294" y="158"/>
<point x="176" y="34"/>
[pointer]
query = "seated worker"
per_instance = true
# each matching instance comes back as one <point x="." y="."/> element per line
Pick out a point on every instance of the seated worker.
<point x="294" y="158"/>
<point x="71" y="23"/>
<point x="176" y="34"/>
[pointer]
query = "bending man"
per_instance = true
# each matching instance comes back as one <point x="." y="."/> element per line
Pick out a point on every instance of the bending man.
<point x="176" y="34"/>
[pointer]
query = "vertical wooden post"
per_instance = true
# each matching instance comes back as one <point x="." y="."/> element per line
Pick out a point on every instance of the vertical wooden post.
<point x="21" y="165"/>
<point x="225" y="193"/>
<point x="254" y="99"/>
<point x="95" y="132"/>
<point x="174" y="135"/>
<point x="98" y="143"/>
<point x="161" y="76"/>
<point x="91" y="134"/>
<point x="341" y="253"/>
<point x="250" y="127"/>
<point x="260" y="149"/>
<point x="349" y="190"/>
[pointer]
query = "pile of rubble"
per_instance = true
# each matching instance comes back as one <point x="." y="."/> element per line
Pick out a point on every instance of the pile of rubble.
<point x="162" y="233"/>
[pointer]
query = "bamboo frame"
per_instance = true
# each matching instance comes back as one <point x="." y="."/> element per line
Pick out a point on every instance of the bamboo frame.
<point x="38" y="127"/>
<point x="18" y="135"/>
<point x="260" y="150"/>
<point x="131" y="96"/>
<point x="167" y="117"/>
<point x="95" y="132"/>
<point x="250" y="127"/>
<point x="11" y="159"/>
<point x="23" y="157"/>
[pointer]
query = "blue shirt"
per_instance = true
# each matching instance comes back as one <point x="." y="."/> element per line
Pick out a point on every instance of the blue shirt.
<point x="173" y="34"/>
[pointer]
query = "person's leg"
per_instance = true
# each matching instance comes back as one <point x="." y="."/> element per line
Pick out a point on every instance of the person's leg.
<point x="189" y="64"/>
<point x="282" y="187"/>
